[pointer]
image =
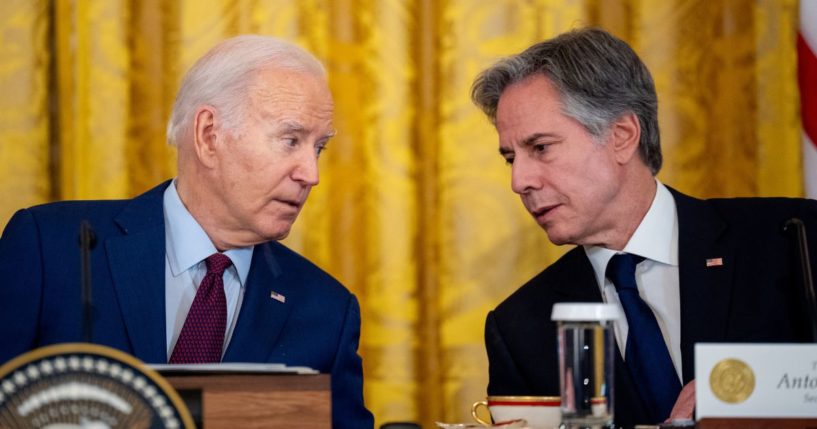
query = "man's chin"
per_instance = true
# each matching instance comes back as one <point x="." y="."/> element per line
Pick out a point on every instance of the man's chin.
<point x="278" y="235"/>
<point x="556" y="237"/>
<point x="276" y="232"/>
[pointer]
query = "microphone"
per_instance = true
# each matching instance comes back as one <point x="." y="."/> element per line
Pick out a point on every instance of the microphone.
<point x="87" y="241"/>
<point x="798" y="228"/>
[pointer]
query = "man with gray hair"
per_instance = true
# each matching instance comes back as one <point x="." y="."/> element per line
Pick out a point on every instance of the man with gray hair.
<point x="577" y="122"/>
<point x="192" y="270"/>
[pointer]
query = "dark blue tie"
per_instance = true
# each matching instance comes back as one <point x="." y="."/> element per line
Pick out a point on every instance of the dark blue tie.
<point x="646" y="354"/>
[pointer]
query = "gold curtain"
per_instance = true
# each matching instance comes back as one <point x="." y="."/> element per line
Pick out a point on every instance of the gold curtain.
<point x="414" y="212"/>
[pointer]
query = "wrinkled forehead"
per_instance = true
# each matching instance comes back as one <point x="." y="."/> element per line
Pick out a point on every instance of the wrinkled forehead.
<point x="270" y="83"/>
<point x="298" y="101"/>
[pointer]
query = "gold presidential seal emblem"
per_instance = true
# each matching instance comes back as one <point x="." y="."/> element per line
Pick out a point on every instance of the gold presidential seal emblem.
<point x="732" y="381"/>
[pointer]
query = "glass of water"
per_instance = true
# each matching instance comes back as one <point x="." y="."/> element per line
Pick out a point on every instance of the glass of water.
<point x="586" y="349"/>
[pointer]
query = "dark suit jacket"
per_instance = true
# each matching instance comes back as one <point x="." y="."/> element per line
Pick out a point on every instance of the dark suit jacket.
<point x="755" y="296"/>
<point x="318" y="326"/>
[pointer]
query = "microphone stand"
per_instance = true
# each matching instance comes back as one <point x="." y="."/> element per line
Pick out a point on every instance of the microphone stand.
<point x="799" y="229"/>
<point x="87" y="240"/>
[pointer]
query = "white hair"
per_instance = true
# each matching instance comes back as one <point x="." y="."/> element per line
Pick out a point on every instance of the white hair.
<point x="221" y="77"/>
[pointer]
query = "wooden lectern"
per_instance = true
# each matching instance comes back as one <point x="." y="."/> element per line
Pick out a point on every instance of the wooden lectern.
<point x="256" y="400"/>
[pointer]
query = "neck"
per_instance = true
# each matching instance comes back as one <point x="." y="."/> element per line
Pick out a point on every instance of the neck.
<point x="197" y="201"/>
<point x="633" y="204"/>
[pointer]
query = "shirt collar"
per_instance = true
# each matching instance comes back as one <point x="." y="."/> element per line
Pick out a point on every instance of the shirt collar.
<point x="187" y="244"/>
<point x="656" y="237"/>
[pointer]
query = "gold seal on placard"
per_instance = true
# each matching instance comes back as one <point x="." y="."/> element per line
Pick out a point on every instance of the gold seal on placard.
<point x="732" y="381"/>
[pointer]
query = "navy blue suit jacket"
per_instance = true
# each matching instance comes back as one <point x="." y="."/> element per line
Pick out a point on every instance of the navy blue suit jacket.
<point x="318" y="325"/>
<point x="755" y="296"/>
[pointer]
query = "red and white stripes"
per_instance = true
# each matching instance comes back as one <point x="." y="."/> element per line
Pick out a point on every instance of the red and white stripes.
<point x="807" y="77"/>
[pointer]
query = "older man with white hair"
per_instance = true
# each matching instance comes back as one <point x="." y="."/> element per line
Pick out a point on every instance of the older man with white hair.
<point x="192" y="271"/>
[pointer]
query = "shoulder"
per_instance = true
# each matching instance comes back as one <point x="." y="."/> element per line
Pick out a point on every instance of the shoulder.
<point x="763" y="213"/>
<point x="748" y="209"/>
<point x="64" y="215"/>
<point x="759" y="215"/>
<point x="759" y="223"/>
<point x="61" y="219"/>
<point x="63" y="211"/>
<point x="753" y="209"/>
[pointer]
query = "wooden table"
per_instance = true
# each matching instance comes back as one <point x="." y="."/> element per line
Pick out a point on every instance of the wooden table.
<point x="258" y="400"/>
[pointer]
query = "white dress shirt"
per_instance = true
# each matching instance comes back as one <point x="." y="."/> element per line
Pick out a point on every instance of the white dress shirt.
<point x="186" y="248"/>
<point x="656" y="239"/>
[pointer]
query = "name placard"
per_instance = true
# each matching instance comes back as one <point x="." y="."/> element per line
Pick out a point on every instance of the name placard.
<point x="756" y="380"/>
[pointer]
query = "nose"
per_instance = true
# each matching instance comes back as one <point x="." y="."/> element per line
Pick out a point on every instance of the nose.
<point x="306" y="169"/>
<point x="524" y="176"/>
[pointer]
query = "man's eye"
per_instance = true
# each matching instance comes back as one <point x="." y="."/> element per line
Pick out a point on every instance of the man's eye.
<point x="292" y="142"/>
<point x="509" y="160"/>
<point x="540" y="147"/>
<point x="319" y="149"/>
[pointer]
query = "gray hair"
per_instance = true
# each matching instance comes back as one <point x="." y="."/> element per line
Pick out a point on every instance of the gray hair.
<point x="598" y="76"/>
<point x="222" y="77"/>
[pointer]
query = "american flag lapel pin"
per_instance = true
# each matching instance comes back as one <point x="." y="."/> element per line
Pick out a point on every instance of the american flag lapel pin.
<point x="714" y="262"/>
<point x="277" y="296"/>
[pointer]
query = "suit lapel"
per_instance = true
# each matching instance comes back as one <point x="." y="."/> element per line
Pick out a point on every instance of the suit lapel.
<point x="706" y="263"/>
<point x="137" y="264"/>
<point x="261" y="317"/>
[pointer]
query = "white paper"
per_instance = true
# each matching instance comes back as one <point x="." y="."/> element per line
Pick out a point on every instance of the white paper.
<point x="233" y="367"/>
<point x="785" y="380"/>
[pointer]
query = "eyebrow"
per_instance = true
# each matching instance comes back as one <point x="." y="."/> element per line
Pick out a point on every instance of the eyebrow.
<point x="531" y="139"/>
<point x="527" y="142"/>
<point x="291" y="126"/>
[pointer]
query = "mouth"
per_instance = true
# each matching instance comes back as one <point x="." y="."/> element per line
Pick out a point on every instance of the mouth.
<point x="541" y="213"/>
<point x="294" y="204"/>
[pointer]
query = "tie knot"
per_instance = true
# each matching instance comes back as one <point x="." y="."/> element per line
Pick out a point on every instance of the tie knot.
<point x="217" y="263"/>
<point x="621" y="270"/>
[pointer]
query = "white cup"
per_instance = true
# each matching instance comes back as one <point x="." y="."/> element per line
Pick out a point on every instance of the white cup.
<point x="540" y="412"/>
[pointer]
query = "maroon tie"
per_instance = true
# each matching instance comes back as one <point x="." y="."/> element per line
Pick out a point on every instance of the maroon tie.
<point x="202" y="336"/>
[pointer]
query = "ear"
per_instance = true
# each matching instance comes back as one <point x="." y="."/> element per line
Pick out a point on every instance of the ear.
<point x="205" y="135"/>
<point x="625" y="136"/>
